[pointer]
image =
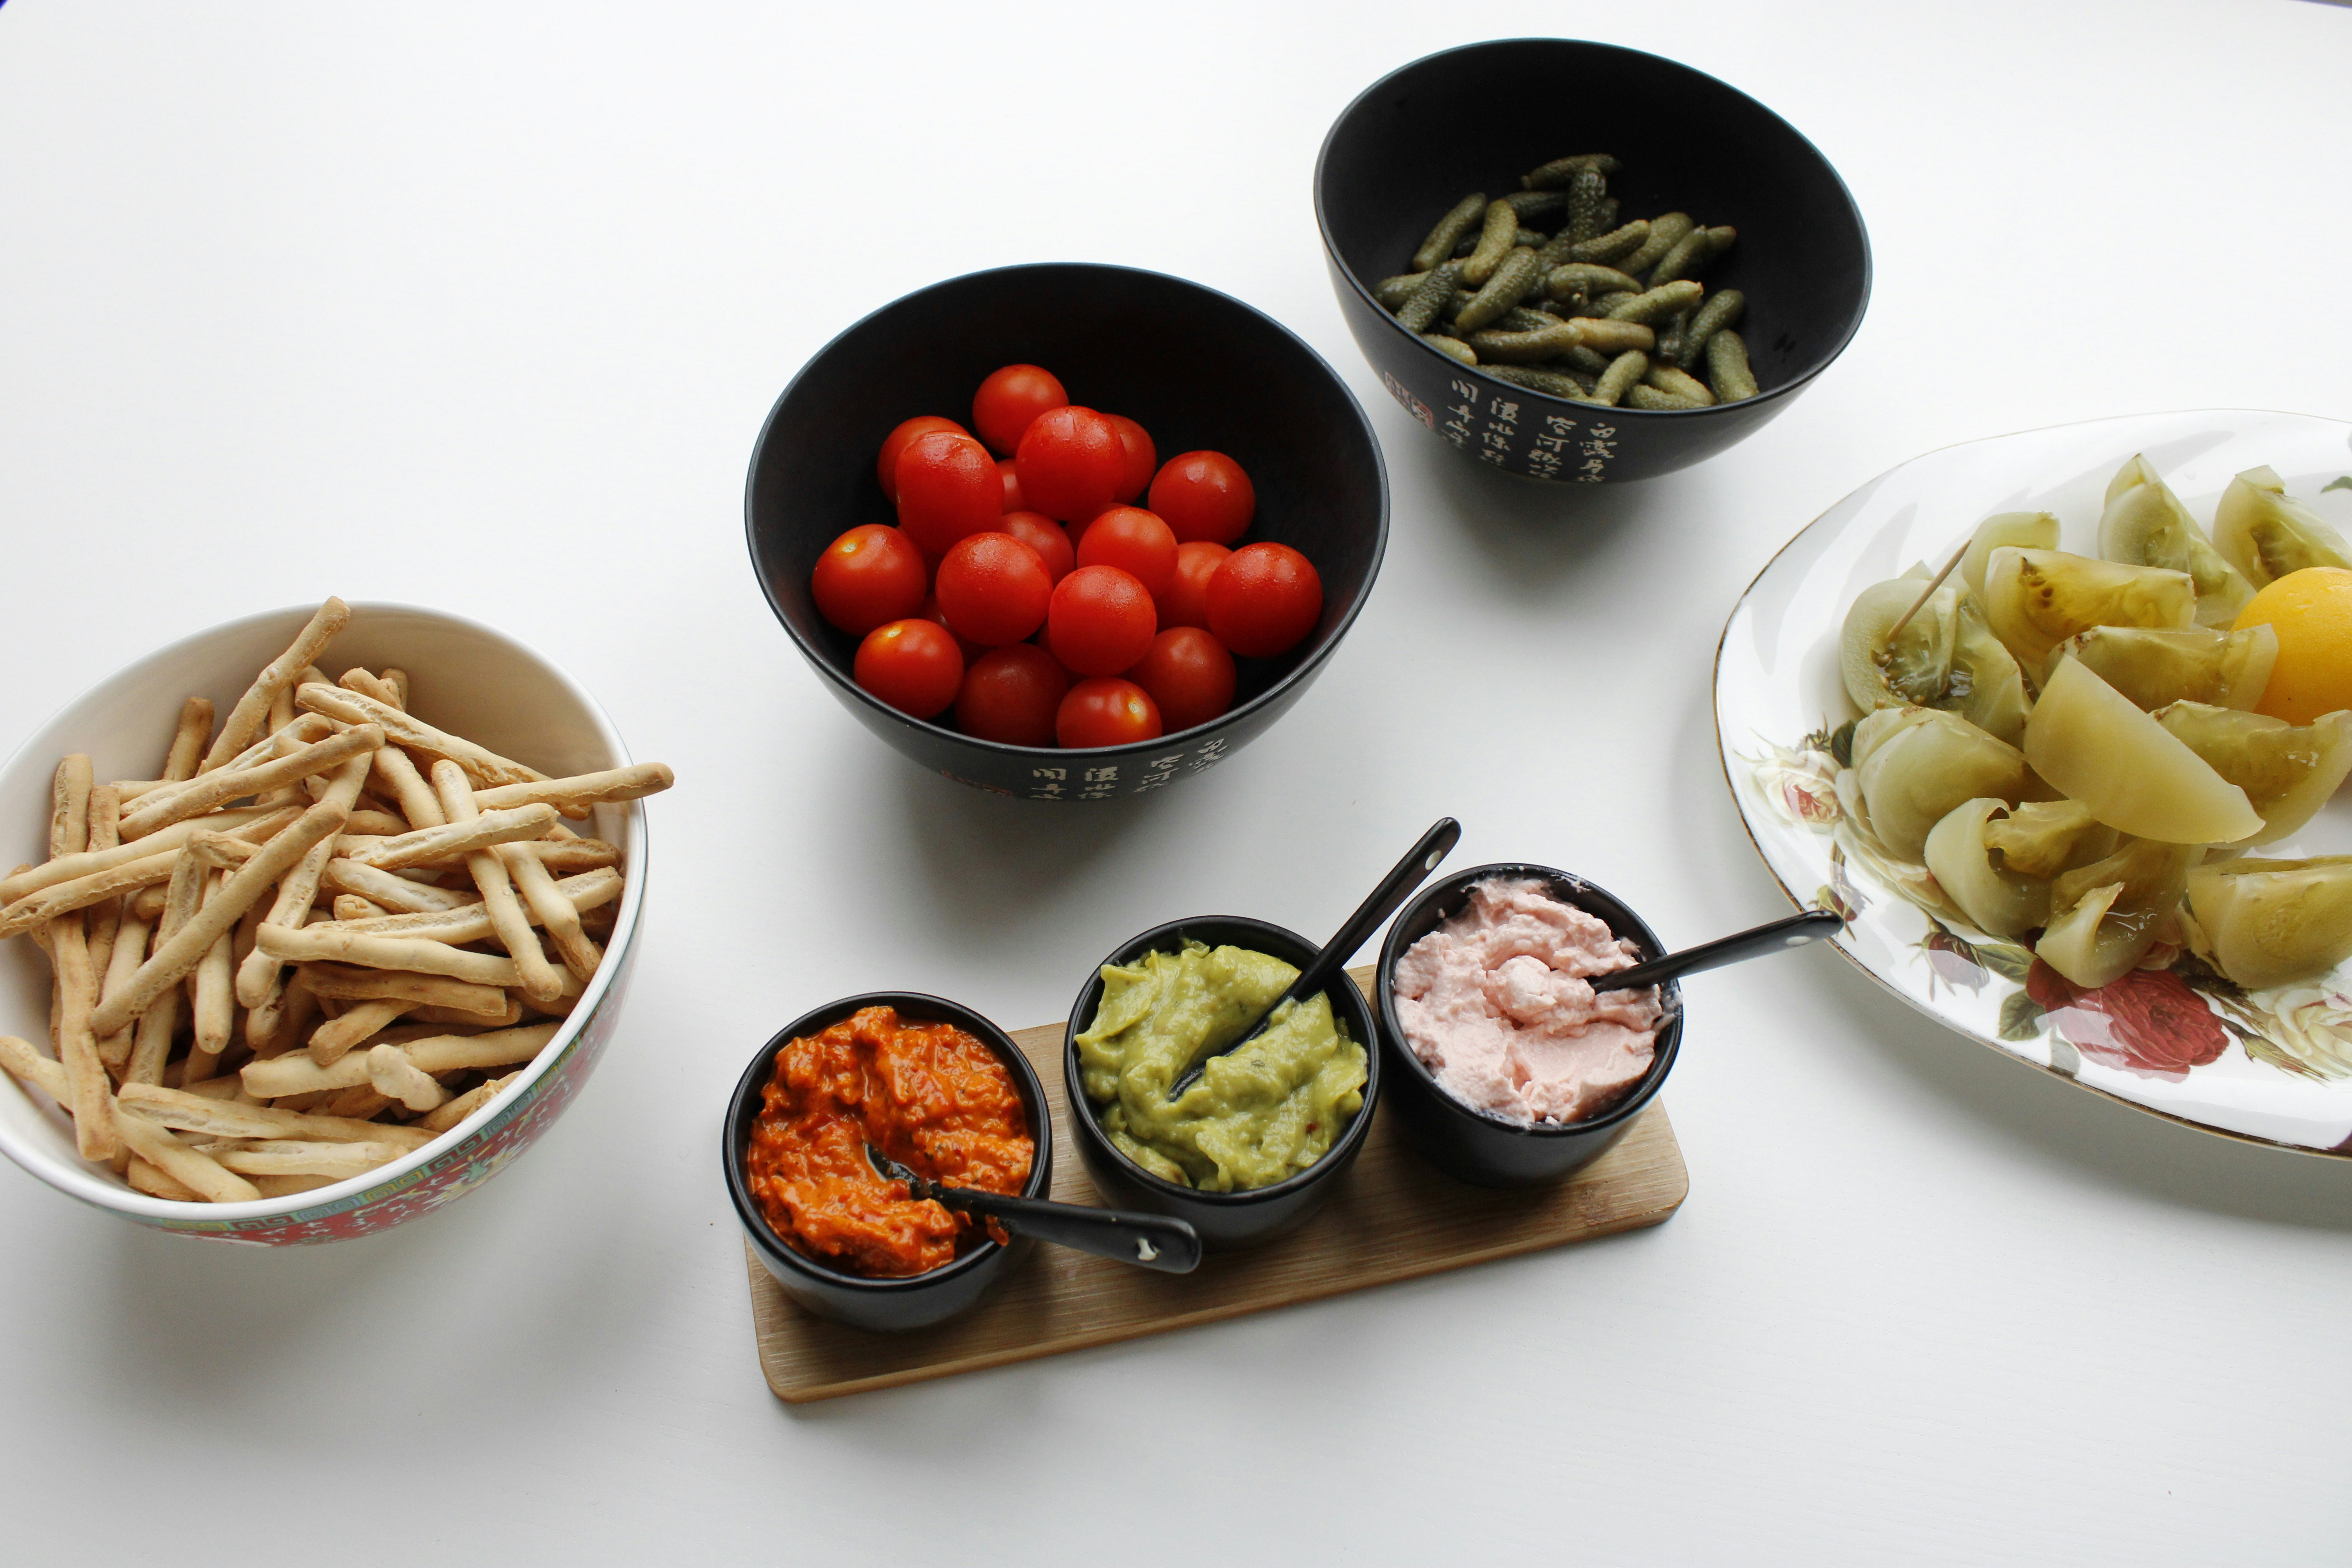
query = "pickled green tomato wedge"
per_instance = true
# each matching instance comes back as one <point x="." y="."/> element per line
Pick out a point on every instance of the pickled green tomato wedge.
<point x="2266" y="533"/>
<point x="2025" y="530"/>
<point x="1987" y="688"/>
<point x="2044" y="838"/>
<point x="1916" y="667"/>
<point x="1915" y="764"/>
<point x="2090" y="743"/>
<point x="2106" y="916"/>
<point x="2154" y="668"/>
<point x="2000" y="902"/>
<point x="2036" y="599"/>
<point x="2275" y="922"/>
<point x="2287" y="771"/>
<point x="2145" y="525"/>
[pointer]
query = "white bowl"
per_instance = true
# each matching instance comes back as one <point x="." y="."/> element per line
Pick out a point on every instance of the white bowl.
<point x="465" y="678"/>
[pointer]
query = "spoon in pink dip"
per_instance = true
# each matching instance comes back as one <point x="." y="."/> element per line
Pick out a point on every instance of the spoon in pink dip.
<point x="1402" y="878"/>
<point x="1778" y="936"/>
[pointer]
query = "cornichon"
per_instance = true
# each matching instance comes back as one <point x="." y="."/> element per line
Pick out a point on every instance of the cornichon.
<point x="1586" y="192"/>
<point x="1727" y="367"/>
<point x="1623" y="374"/>
<point x="1453" y="348"/>
<point x="1451" y="228"/>
<point x="1493" y="244"/>
<point x="1556" y="175"/>
<point x="1641" y="394"/>
<point x="1588" y="279"/>
<point x="1678" y="383"/>
<point x="1666" y="233"/>
<point x="1658" y="303"/>
<point x="1532" y="206"/>
<point x="1618" y="242"/>
<point x="1393" y="292"/>
<point x="1525" y="348"/>
<point x="1528" y="237"/>
<point x="1507" y="288"/>
<point x="1555" y="383"/>
<point x="1436" y="287"/>
<point x="1690" y="253"/>
<point x="1721" y="310"/>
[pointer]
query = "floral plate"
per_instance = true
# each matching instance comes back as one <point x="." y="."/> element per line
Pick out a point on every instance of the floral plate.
<point x="2173" y="1037"/>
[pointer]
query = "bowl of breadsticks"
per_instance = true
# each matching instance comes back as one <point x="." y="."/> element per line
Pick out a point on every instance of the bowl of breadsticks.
<point x="316" y="918"/>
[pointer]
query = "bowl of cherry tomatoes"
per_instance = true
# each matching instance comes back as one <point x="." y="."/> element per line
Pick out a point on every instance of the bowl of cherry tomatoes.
<point x="1067" y="531"/>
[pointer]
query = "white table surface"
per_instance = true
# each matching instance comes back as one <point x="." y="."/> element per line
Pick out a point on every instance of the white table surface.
<point x="482" y="306"/>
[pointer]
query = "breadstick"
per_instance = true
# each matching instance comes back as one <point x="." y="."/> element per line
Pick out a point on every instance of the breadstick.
<point x="378" y="824"/>
<point x="196" y="1112"/>
<point x="69" y="868"/>
<point x="215" y="1003"/>
<point x="150" y="1141"/>
<point x="287" y="1186"/>
<point x="453" y="839"/>
<point x="187" y="749"/>
<point x="398" y="772"/>
<point x="104" y="922"/>
<point x="317" y="942"/>
<point x="482" y="765"/>
<point x="277" y="743"/>
<point x="577" y="855"/>
<point x="245" y="719"/>
<point x="540" y="981"/>
<point x="290" y="1157"/>
<point x="174" y="958"/>
<point x="257" y="977"/>
<point x="352" y="907"/>
<point x="472" y="923"/>
<point x="69" y="806"/>
<point x="465" y="1105"/>
<point x="440" y="1018"/>
<point x="392" y="1072"/>
<point x="330" y="1040"/>
<point x="130" y="952"/>
<point x="550" y="908"/>
<point x="209" y="790"/>
<point x="632" y="783"/>
<point x="281" y="710"/>
<point x="347" y="875"/>
<point x="44" y="1073"/>
<point x="369" y="685"/>
<point x="424" y="990"/>
<point x="146" y="1178"/>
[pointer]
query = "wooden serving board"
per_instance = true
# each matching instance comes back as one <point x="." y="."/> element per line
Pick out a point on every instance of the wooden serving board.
<point x="1394" y="1218"/>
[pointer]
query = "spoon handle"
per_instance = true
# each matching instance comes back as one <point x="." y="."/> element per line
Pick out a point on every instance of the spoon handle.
<point x="1798" y="929"/>
<point x="1402" y="878"/>
<point x="1146" y="1240"/>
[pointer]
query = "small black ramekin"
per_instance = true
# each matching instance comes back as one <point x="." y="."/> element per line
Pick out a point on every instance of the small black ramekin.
<point x="917" y="1300"/>
<point x="1226" y="1220"/>
<point x="1477" y="1146"/>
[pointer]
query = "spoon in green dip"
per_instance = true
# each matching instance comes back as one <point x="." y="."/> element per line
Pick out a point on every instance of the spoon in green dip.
<point x="1402" y="878"/>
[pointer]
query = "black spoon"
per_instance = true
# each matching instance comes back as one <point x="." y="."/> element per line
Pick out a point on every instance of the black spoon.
<point x="1402" y="878"/>
<point x="1797" y="931"/>
<point x="1147" y="1240"/>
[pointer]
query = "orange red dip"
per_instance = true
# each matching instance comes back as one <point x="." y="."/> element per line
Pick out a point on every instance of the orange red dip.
<point x="930" y="1096"/>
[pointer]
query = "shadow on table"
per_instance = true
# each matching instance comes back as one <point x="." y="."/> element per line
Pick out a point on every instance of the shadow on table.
<point x="1532" y="536"/>
<point x="982" y="852"/>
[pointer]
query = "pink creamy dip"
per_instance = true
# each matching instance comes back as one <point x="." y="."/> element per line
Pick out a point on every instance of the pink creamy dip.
<point x="1495" y="1002"/>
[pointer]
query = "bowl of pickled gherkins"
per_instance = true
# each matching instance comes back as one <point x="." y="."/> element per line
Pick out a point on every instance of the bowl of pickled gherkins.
<point x="1067" y="531"/>
<point x="1582" y="263"/>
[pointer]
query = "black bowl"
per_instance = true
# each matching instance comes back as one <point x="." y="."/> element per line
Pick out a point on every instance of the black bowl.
<point x="1226" y="1220"/>
<point x="917" y="1300"/>
<point x="1196" y="368"/>
<point x="1473" y="118"/>
<point x="1475" y="1145"/>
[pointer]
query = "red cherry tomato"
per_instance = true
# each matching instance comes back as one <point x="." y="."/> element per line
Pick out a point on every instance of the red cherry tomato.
<point x="1186" y="602"/>
<point x="1101" y="621"/>
<point x="1009" y="399"/>
<point x="1044" y="535"/>
<point x="1136" y="542"/>
<point x="937" y="617"/>
<point x="1142" y="456"/>
<point x="947" y="487"/>
<point x="1188" y="675"/>
<point x="912" y="665"/>
<point x="1070" y="463"/>
<point x="1205" y="495"/>
<point x="1107" y="711"/>
<point x="886" y="468"/>
<point x="1010" y="694"/>
<point x="1264" y="599"/>
<point x="993" y="589"/>
<point x="1005" y="471"/>
<point x="871" y="574"/>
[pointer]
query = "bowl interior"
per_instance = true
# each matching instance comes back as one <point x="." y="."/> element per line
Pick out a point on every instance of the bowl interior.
<point x="1475" y="118"/>
<point x="743" y="1111"/>
<point x="1195" y="368"/>
<point x="1217" y="931"/>
<point x="1441" y="902"/>
<point x="465" y="678"/>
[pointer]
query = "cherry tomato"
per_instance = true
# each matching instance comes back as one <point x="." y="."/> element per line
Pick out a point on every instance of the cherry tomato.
<point x="1264" y="599"/>
<point x="1107" y="711"/>
<point x="871" y="574"/>
<point x="1142" y="456"/>
<point x="1186" y="602"/>
<point x="1070" y="463"/>
<point x="912" y="665"/>
<point x="1189" y="675"/>
<point x="886" y="468"/>
<point x="1136" y="542"/>
<point x="1009" y="399"/>
<point x="1005" y="471"/>
<point x="937" y="617"/>
<point x="947" y="487"/>
<point x="1044" y="535"/>
<point x="1010" y="694"/>
<point x="993" y="589"/>
<point x="1101" y="621"/>
<point x="1205" y="495"/>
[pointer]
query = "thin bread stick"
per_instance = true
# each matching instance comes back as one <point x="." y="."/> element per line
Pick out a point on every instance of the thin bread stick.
<point x="370" y="685"/>
<point x="130" y="952"/>
<point x="227" y="1118"/>
<point x="92" y="1100"/>
<point x="214" y="1006"/>
<point x="150" y="1141"/>
<point x="378" y="824"/>
<point x="393" y="891"/>
<point x="287" y="1186"/>
<point x="150" y="1179"/>
<point x="392" y="1073"/>
<point x="69" y="868"/>
<point x="632" y="782"/>
<point x="245" y="719"/>
<point x="308" y="728"/>
<point x="226" y="849"/>
<point x="294" y="1157"/>
<point x="397" y="679"/>
<point x="335" y="1038"/>
<point x="173" y="959"/>
<point x="434" y="1054"/>
<point x="274" y="1028"/>
<point x="355" y="985"/>
<point x="361" y="1102"/>
<point x="281" y="710"/>
<point x="441" y="1018"/>
<point x="45" y="1073"/>
<point x="482" y="765"/>
<point x="465" y="1105"/>
<point x="188" y="748"/>
<point x="414" y="795"/>
<point x="577" y="855"/>
<point x="257" y="975"/>
<point x="213" y="789"/>
<point x="540" y="981"/>
<point x="549" y="907"/>
<point x="472" y="923"/>
<point x="315" y="944"/>
<point x="454" y="838"/>
<point x="69" y="806"/>
<point x="352" y="907"/>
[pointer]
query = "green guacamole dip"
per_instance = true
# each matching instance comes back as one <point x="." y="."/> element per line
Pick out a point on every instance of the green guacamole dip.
<point x="1256" y="1117"/>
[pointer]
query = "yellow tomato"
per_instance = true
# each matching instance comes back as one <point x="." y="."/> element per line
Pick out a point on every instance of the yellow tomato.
<point x="2311" y="610"/>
